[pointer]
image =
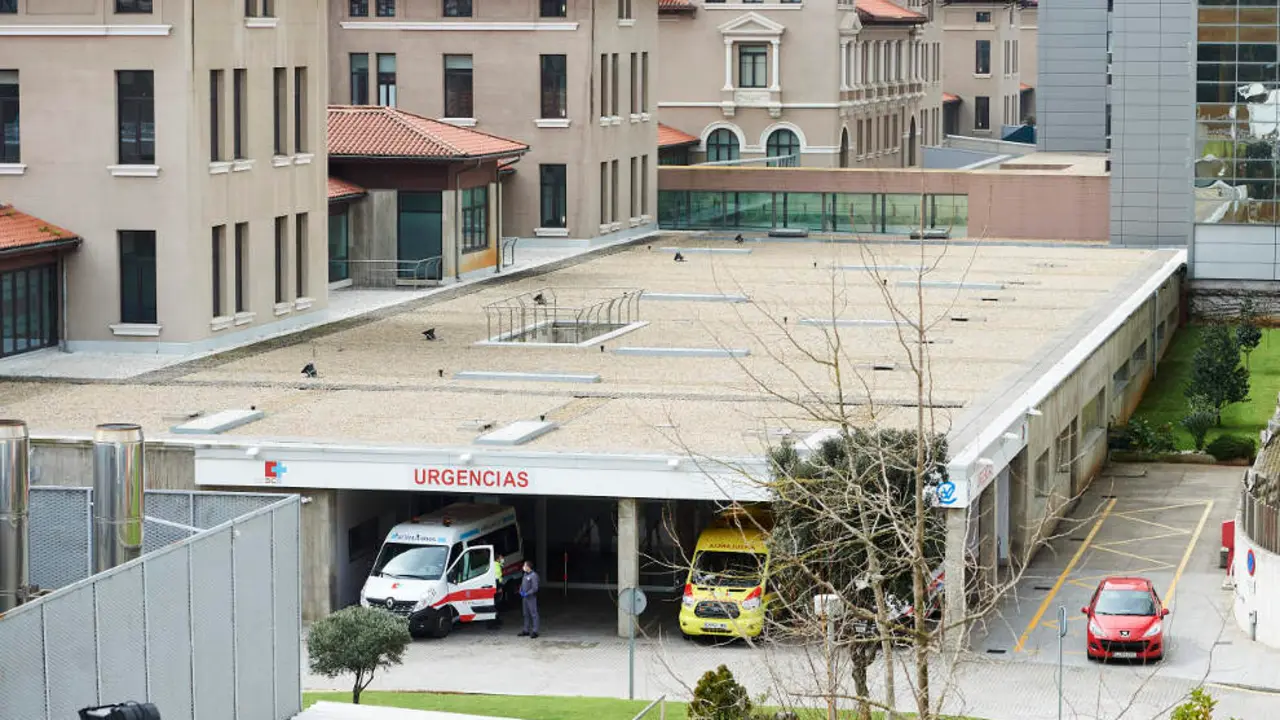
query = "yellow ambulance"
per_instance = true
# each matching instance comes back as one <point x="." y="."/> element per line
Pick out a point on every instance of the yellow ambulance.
<point x="727" y="592"/>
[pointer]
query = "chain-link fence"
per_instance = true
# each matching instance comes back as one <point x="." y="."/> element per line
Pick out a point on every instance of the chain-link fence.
<point x="1260" y="521"/>
<point x="206" y="627"/>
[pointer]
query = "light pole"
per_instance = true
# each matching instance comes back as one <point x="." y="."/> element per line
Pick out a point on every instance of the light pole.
<point x="1062" y="633"/>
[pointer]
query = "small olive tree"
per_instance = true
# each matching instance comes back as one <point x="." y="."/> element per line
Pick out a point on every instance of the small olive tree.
<point x="357" y="640"/>
<point x="1201" y="415"/>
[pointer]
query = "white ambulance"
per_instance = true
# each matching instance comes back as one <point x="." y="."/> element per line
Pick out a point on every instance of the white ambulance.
<point x="438" y="569"/>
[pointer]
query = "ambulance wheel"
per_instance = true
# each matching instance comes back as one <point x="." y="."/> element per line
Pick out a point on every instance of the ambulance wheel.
<point x="440" y="624"/>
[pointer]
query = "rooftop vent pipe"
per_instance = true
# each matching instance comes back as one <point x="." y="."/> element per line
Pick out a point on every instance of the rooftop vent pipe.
<point x="15" y="485"/>
<point x="118" y="480"/>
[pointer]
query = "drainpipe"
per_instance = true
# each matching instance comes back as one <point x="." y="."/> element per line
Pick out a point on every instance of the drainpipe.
<point x="119" y="476"/>
<point x="62" y="271"/>
<point x="15" y="485"/>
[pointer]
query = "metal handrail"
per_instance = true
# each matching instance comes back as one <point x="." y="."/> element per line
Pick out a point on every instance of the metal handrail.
<point x="387" y="272"/>
<point x="1260" y="521"/>
<point x="506" y="318"/>
<point x="660" y="703"/>
<point x="508" y="251"/>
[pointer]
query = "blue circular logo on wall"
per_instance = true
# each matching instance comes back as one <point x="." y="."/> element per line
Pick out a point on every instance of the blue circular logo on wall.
<point x="1250" y="563"/>
<point x="946" y="492"/>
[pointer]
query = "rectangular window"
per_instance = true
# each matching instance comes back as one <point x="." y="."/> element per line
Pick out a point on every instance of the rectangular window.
<point x="268" y="8"/>
<point x="554" y="90"/>
<point x="553" y="8"/>
<point x="634" y="187"/>
<point x="604" y="193"/>
<point x="981" y="113"/>
<point x="359" y="78"/>
<point x="215" y="115"/>
<point x="613" y="191"/>
<point x="387" y="80"/>
<point x="358" y="8"/>
<point x="300" y="110"/>
<point x="613" y="85"/>
<point x="239" y="112"/>
<point x="135" y="105"/>
<point x="133" y="6"/>
<point x="386" y="8"/>
<point x="753" y="64"/>
<point x="644" y="82"/>
<point x="217" y="255"/>
<point x="282" y="258"/>
<point x="624" y="10"/>
<point x="1043" y="480"/>
<point x="553" y="182"/>
<point x="1120" y="377"/>
<point x="982" y="16"/>
<point x="250" y="8"/>
<point x="457" y="8"/>
<point x="8" y="7"/>
<point x="339" y="243"/>
<point x="241" y="261"/>
<point x="475" y="219"/>
<point x="604" y="85"/>
<point x="457" y="87"/>
<point x="280" y="90"/>
<point x="1139" y="355"/>
<point x="982" y="57"/>
<point x="1094" y="415"/>
<point x="644" y="185"/>
<point x="10" y="137"/>
<point x="138" y="277"/>
<point x="634" y="98"/>
<point x="300" y="278"/>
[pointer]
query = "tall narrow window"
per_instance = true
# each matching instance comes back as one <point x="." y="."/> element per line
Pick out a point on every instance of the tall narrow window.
<point x="784" y="145"/>
<point x="8" y="7"/>
<point x="217" y="256"/>
<point x="553" y="181"/>
<point x="634" y="99"/>
<point x="138" y="277"/>
<point x="553" y="8"/>
<point x="624" y="10"/>
<point x="982" y="57"/>
<point x="215" y="115"/>
<point x="358" y="8"/>
<point x="251" y="8"/>
<point x="475" y="219"/>
<point x="282" y="258"/>
<point x="386" y="8"/>
<point x="241" y="261"/>
<point x="981" y="113"/>
<point x="132" y="6"/>
<point x="359" y="78"/>
<point x="722" y="145"/>
<point x="604" y="193"/>
<point x="613" y="191"/>
<point x="554" y="88"/>
<point x="135" y="105"/>
<point x="613" y="86"/>
<point x="239" y="111"/>
<point x="753" y="64"/>
<point x="644" y="82"/>
<point x="280" y="108"/>
<point x="458" y="101"/>
<point x="457" y="8"/>
<point x="634" y="188"/>
<point x="387" y="80"/>
<point x="644" y="185"/>
<point x="268" y="8"/>
<point x="604" y="84"/>
<point x="300" y="277"/>
<point x="10" y="145"/>
<point x="300" y="110"/>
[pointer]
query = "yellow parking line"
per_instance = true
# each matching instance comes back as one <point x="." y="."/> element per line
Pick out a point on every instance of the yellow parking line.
<point x="1044" y="606"/>
<point x="1103" y="548"/>
<point x="1186" y="556"/>
<point x="1162" y="526"/>
<point x="1161" y="536"/>
<point x="1159" y="508"/>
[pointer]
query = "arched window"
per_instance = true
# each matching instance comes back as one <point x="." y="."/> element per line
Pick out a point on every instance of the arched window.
<point x="781" y="144"/>
<point x="722" y="145"/>
<point x="844" y="148"/>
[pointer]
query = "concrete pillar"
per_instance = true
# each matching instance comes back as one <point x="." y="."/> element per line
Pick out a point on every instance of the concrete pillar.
<point x="775" y="83"/>
<point x="540" y="538"/>
<point x="728" y="64"/>
<point x="988" y="518"/>
<point x="628" y="554"/>
<point x="955" y="594"/>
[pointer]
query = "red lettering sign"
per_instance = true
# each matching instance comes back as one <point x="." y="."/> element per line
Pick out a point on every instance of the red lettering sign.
<point x="471" y="478"/>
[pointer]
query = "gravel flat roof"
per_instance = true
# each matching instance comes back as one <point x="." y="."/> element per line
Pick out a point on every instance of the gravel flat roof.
<point x="381" y="382"/>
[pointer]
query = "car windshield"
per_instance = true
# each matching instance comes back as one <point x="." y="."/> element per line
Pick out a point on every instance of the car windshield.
<point x="1125" y="602"/>
<point x="728" y="569"/>
<point x="411" y="562"/>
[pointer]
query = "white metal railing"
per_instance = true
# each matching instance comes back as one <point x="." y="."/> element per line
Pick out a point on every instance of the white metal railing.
<point x="660" y="704"/>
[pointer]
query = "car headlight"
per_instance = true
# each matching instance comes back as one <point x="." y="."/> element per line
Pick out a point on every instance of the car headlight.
<point x="425" y="601"/>
<point x="1153" y="630"/>
<point x="752" y="600"/>
<point x="1096" y="629"/>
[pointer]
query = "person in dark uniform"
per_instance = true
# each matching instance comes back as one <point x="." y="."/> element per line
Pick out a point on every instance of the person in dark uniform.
<point x="529" y="601"/>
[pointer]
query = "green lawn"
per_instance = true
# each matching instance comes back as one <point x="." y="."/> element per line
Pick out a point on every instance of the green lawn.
<point x="523" y="707"/>
<point x="1164" y="401"/>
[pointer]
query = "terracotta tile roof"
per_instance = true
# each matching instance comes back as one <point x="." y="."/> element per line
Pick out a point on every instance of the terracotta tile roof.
<point x="886" y="11"/>
<point x="1024" y="86"/>
<point x="20" y="231"/>
<point x="508" y="165"/>
<point x="948" y="98"/>
<point x="371" y="131"/>
<point x="671" y="137"/>
<point x="339" y="189"/>
<point x="677" y="6"/>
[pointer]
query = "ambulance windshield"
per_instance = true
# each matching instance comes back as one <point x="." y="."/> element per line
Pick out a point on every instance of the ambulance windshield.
<point x="728" y="569"/>
<point x="411" y="562"/>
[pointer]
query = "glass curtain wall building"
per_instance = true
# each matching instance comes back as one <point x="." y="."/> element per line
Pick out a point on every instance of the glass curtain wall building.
<point x="867" y="213"/>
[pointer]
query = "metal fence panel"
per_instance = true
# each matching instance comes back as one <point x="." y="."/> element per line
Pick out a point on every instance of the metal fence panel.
<point x="213" y="631"/>
<point x="168" y="589"/>
<point x="176" y="507"/>
<point x="22" y="677"/>
<point x="286" y="551"/>
<point x="1261" y="522"/>
<point x="70" y="653"/>
<point x="213" y="509"/>
<point x="255" y="649"/>
<point x="59" y="535"/>
<point x="121" y="636"/>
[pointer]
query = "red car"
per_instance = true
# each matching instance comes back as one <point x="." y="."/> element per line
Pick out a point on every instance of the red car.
<point x="1126" y="621"/>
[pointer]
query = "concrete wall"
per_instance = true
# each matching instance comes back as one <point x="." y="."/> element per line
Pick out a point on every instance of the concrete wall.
<point x="1236" y="252"/>
<point x="1152" y="122"/>
<point x="1071" y="94"/>
<point x="1002" y="204"/>
<point x="1257" y="593"/>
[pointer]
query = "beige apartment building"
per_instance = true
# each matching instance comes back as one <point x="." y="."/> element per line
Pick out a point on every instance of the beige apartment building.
<point x="982" y="65"/>
<point x="183" y="143"/>
<point x="572" y="79"/>
<point x="822" y="84"/>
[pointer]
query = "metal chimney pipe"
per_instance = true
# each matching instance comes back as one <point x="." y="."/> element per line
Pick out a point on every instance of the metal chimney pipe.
<point x="15" y="486"/>
<point x="118" y="481"/>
